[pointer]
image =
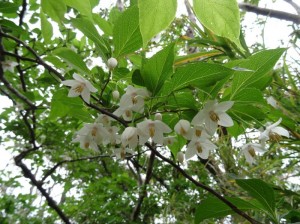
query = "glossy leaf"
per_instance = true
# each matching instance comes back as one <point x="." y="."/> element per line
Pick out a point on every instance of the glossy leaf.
<point x="155" y="16"/>
<point x="222" y="17"/>
<point x="8" y="7"/>
<point x="214" y="208"/>
<point x="72" y="59"/>
<point x="84" y="7"/>
<point x="104" y="25"/>
<point x="249" y="96"/>
<point x="261" y="191"/>
<point x="261" y="63"/>
<point x="126" y="33"/>
<point x="46" y="28"/>
<point x="157" y="69"/>
<point x="55" y="9"/>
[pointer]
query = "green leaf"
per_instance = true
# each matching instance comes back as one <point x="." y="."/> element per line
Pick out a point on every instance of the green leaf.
<point x="182" y="100"/>
<point x="90" y="31"/>
<point x="104" y="25"/>
<point x="8" y="7"/>
<point x="155" y="16"/>
<point x="72" y="59"/>
<point x="157" y="69"/>
<point x="55" y="9"/>
<point x="214" y="208"/>
<point x="62" y="105"/>
<point x="198" y="74"/>
<point x="249" y="96"/>
<point x="260" y="64"/>
<point x="46" y="28"/>
<point x="261" y="191"/>
<point x="225" y="19"/>
<point x="137" y="78"/>
<point x="247" y="112"/>
<point x="126" y="33"/>
<point x="84" y="7"/>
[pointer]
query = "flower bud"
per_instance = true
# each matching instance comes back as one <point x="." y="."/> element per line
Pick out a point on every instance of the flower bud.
<point x="112" y="63"/>
<point x="158" y="116"/>
<point x="180" y="157"/>
<point x="115" y="94"/>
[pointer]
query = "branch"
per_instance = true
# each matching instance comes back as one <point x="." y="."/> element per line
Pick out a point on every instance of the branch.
<point x="295" y="6"/>
<point x="27" y="173"/>
<point x="199" y="184"/>
<point x="143" y="192"/>
<point x="270" y="12"/>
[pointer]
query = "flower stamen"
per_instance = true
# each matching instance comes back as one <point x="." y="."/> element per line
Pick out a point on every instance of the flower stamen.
<point x="213" y="116"/>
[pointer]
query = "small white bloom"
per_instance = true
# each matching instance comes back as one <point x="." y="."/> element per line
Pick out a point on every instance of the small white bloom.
<point x="125" y="112"/>
<point x="116" y="94"/>
<point x="80" y="86"/>
<point x="120" y="153"/>
<point x="249" y="150"/>
<point x="183" y="127"/>
<point x="152" y="129"/>
<point x="271" y="100"/>
<point x="199" y="131"/>
<point x="200" y="147"/>
<point x="96" y="131"/>
<point x="180" y="157"/>
<point x="86" y="142"/>
<point x="158" y="116"/>
<point x="104" y="119"/>
<point x="170" y="140"/>
<point x="213" y="114"/>
<point x="129" y="137"/>
<point x="9" y="65"/>
<point x="273" y="132"/>
<point x="113" y="138"/>
<point x="112" y="63"/>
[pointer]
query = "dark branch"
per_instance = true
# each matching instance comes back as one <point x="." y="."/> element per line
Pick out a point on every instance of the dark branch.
<point x="270" y="12"/>
<point x="295" y="6"/>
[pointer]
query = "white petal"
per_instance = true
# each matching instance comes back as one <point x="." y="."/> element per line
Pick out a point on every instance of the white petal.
<point x="118" y="112"/>
<point x="206" y="144"/>
<point x="70" y="83"/>
<point x="211" y="126"/>
<point x="225" y="120"/>
<point x="162" y="126"/>
<point x="158" y="138"/>
<point x="258" y="147"/>
<point x="223" y="106"/>
<point x="199" y="118"/>
<point x="73" y="93"/>
<point x="281" y="131"/>
<point x="79" y="78"/>
<point x="182" y="127"/>
<point x="248" y="157"/>
<point x="210" y="105"/>
<point x="127" y="114"/>
<point x="204" y="154"/>
<point x="90" y="87"/>
<point x="190" y="151"/>
<point x="274" y="125"/>
<point x="86" y="95"/>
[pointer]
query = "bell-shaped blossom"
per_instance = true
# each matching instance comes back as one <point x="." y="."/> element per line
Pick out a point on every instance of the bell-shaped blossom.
<point x="125" y="112"/>
<point x="249" y="150"/>
<point x="169" y="140"/>
<point x="183" y="128"/>
<point x="104" y="119"/>
<point x="80" y="86"/>
<point x="86" y="142"/>
<point x="152" y="129"/>
<point x="199" y="131"/>
<point x="200" y="147"/>
<point x="214" y="114"/>
<point x="129" y="137"/>
<point x="273" y="132"/>
<point x="120" y="153"/>
<point x="9" y="65"/>
<point x="180" y="157"/>
<point x="96" y="131"/>
<point x="113" y="137"/>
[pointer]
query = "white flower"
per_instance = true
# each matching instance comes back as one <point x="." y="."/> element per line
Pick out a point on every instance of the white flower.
<point x="8" y="65"/>
<point x="120" y="153"/>
<point x="198" y="131"/>
<point x="183" y="127"/>
<point x="249" y="150"/>
<point x="129" y="137"/>
<point x="114" y="137"/>
<point x="158" y="116"/>
<point x="104" y="119"/>
<point x="112" y="63"/>
<point x="125" y="112"/>
<point x="86" y="142"/>
<point x="80" y="86"/>
<point x="273" y="132"/>
<point x="152" y="129"/>
<point x="271" y="100"/>
<point x="213" y="114"/>
<point x="116" y="94"/>
<point x="200" y="147"/>
<point x="180" y="157"/>
<point x="169" y="140"/>
<point x="96" y="131"/>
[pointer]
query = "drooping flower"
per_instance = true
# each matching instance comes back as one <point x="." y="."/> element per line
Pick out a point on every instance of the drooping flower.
<point x="129" y="137"/>
<point x="8" y="65"/>
<point x="180" y="157"/>
<point x="152" y="129"/>
<point x="104" y="119"/>
<point x="86" y="142"/>
<point x="249" y="150"/>
<point x="120" y="153"/>
<point x="199" y="131"/>
<point x="273" y="132"/>
<point x="214" y="114"/>
<point x="125" y="112"/>
<point x="200" y="147"/>
<point x="113" y="138"/>
<point x="80" y="86"/>
<point x="112" y="63"/>
<point x="169" y="140"/>
<point x="96" y="131"/>
<point x="183" y="128"/>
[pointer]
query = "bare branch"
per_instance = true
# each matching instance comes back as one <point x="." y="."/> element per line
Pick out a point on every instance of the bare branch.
<point x="295" y="6"/>
<point x="270" y="12"/>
